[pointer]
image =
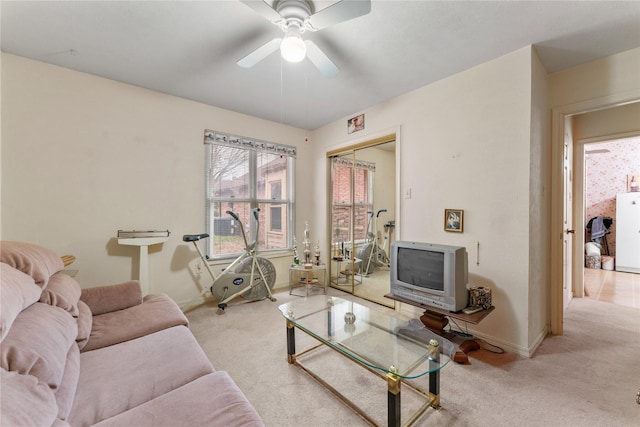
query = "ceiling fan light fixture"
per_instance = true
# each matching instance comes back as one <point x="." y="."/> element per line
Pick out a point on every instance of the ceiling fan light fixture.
<point x="293" y="48"/>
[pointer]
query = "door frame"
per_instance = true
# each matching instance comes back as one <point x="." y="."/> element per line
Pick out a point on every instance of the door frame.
<point x="569" y="220"/>
<point x="559" y="114"/>
<point x="352" y="145"/>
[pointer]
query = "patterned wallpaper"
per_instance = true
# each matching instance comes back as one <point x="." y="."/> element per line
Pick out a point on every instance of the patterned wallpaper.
<point x="606" y="176"/>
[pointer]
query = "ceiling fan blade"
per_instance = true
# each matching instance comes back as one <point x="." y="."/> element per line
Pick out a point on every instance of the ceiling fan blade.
<point x="339" y="12"/>
<point x="263" y="9"/>
<point x="260" y="53"/>
<point x="320" y="60"/>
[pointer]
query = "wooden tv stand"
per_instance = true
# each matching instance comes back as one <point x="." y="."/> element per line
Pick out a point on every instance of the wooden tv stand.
<point x="437" y="319"/>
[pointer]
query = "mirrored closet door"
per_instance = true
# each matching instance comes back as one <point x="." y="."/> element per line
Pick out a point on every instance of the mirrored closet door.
<point x="362" y="217"/>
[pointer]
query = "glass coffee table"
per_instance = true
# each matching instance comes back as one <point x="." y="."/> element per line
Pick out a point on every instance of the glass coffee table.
<point x="394" y="348"/>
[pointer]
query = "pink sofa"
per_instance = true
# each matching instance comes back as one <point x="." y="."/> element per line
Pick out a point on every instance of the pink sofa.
<point x="103" y="356"/>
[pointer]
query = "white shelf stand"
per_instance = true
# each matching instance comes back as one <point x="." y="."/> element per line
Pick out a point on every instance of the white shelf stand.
<point x="143" y="262"/>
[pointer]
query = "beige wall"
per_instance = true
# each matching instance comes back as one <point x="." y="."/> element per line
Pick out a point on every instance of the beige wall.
<point x="597" y="79"/>
<point x="481" y="141"/>
<point x="466" y="145"/>
<point x="539" y="205"/>
<point x="83" y="157"/>
<point x="604" y="123"/>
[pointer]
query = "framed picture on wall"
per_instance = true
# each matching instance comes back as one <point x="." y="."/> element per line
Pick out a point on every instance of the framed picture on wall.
<point x="453" y="219"/>
<point x="355" y="124"/>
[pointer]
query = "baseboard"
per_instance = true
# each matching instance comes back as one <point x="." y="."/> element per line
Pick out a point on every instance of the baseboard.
<point x="546" y="330"/>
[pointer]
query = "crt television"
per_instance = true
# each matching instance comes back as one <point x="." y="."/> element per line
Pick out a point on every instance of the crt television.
<point x="430" y="274"/>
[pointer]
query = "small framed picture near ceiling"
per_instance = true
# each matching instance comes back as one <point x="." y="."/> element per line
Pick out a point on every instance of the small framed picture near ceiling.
<point x="453" y="220"/>
<point x="355" y="124"/>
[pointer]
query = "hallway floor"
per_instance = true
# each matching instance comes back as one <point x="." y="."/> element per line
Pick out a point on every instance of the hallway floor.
<point x="613" y="286"/>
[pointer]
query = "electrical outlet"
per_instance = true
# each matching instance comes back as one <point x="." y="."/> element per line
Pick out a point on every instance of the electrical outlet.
<point x="407" y="193"/>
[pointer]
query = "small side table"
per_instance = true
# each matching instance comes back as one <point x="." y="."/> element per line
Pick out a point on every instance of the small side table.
<point x="435" y="319"/>
<point x="307" y="278"/>
<point x="357" y="262"/>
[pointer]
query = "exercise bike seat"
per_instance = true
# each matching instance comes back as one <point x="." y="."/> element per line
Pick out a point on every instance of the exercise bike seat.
<point x="194" y="237"/>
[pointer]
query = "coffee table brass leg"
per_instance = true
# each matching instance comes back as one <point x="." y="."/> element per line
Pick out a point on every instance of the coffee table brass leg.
<point x="291" y="342"/>
<point x="393" y="400"/>
<point x="434" y="384"/>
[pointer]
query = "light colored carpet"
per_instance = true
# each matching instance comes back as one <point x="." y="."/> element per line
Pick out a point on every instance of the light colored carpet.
<point x="588" y="377"/>
<point x="373" y="287"/>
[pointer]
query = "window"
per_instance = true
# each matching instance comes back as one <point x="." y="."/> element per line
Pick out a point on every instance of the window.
<point x="345" y="172"/>
<point x="243" y="174"/>
<point x="276" y="219"/>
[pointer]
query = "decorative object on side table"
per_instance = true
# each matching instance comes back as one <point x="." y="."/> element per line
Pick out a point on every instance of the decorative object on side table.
<point x="318" y="252"/>
<point x="480" y="296"/>
<point x="349" y="318"/>
<point x="307" y="244"/>
<point x="296" y="260"/>
<point x="349" y="322"/>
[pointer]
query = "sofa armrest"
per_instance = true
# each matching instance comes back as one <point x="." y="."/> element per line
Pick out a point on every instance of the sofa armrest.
<point x="105" y="299"/>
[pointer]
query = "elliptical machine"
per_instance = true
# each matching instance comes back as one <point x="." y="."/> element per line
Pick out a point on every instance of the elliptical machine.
<point x="372" y="254"/>
<point x="249" y="275"/>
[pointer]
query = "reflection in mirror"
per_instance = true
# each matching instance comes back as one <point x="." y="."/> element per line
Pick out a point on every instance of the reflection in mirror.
<point x="363" y="220"/>
<point x="342" y="199"/>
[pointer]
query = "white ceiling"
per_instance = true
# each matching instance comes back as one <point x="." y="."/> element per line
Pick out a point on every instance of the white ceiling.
<point x="190" y="49"/>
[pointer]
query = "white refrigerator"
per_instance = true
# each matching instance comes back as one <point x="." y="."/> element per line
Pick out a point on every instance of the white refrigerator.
<point x="628" y="232"/>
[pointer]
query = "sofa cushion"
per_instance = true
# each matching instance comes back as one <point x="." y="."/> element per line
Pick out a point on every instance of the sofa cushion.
<point x="156" y="313"/>
<point x="105" y="299"/>
<point x="18" y="291"/>
<point x="66" y="392"/>
<point x="36" y="261"/>
<point x="117" y="378"/>
<point x="38" y="342"/>
<point x="26" y="401"/>
<point x="62" y="291"/>
<point x="211" y="400"/>
<point x="85" y="322"/>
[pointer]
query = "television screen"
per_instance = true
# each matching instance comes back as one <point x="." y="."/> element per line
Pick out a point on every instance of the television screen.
<point x="421" y="268"/>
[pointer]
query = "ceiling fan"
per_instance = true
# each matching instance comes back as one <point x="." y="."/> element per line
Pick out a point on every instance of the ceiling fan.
<point x="294" y="17"/>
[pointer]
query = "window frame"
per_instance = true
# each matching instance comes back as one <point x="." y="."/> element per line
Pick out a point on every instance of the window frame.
<point x="254" y="148"/>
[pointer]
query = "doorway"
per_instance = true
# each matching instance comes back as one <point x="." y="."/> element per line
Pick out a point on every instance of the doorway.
<point x="610" y="164"/>
<point x="562" y="122"/>
<point x="362" y="217"/>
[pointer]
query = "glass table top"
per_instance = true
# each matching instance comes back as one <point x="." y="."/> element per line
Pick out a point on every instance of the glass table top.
<point x="381" y="341"/>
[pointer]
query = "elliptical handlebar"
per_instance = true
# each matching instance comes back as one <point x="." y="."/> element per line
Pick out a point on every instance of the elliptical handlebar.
<point x="249" y="246"/>
<point x="380" y="211"/>
<point x="237" y="218"/>
<point x="253" y="245"/>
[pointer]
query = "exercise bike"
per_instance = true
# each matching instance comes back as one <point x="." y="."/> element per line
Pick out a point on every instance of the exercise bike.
<point x="372" y="254"/>
<point x="249" y="275"/>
